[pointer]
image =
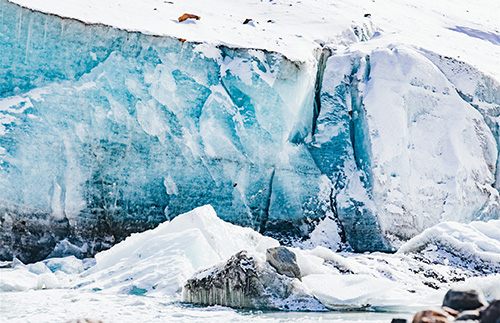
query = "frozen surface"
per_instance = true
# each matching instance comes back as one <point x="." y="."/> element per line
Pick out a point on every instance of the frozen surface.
<point x="147" y="271"/>
<point x="63" y="305"/>
<point x="295" y="27"/>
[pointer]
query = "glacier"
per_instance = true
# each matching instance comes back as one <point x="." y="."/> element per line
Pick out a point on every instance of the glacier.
<point x="130" y="130"/>
<point x="105" y="132"/>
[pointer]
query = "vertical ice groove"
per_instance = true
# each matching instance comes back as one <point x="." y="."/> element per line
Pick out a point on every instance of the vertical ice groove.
<point x="334" y="209"/>
<point x="325" y="53"/>
<point x="28" y="37"/>
<point x="358" y="127"/>
<point x="339" y="135"/>
<point x="45" y="32"/>
<point x="19" y="24"/>
<point x="263" y="222"/>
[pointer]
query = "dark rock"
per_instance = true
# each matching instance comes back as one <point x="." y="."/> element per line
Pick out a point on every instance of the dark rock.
<point x="247" y="21"/>
<point x="399" y="321"/>
<point x="284" y="261"/>
<point x="492" y="313"/>
<point x="469" y="315"/>
<point x="432" y="316"/>
<point x="248" y="282"/>
<point x="464" y="300"/>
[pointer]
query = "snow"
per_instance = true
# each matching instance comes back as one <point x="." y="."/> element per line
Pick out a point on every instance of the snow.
<point x="296" y="28"/>
<point x="474" y="242"/>
<point x="158" y="262"/>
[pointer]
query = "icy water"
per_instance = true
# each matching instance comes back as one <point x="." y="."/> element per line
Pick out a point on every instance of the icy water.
<point x="62" y="305"/>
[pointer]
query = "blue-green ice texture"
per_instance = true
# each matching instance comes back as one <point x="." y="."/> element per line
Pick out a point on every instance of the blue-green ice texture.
<point x="104" y="132"/>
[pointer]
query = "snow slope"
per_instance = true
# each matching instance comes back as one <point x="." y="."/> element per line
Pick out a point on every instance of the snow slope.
<point x="297" y="27"/>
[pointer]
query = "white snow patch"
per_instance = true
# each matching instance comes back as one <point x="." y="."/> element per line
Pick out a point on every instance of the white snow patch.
<point x="477" y="241"/>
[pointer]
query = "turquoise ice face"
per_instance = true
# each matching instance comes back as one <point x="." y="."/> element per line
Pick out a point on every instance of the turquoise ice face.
<point x="106" y="132"/>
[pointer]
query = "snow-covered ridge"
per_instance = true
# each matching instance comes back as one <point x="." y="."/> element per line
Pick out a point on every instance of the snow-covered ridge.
<point x="274" y="25"/>
<point x="295" y="27"/>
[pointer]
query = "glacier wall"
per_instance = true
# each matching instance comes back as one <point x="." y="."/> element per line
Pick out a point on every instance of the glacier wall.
<point x="104" y="132"/>
<point x="416" y="152"/>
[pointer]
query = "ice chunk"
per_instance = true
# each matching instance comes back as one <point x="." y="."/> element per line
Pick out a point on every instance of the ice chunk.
<point x="17" y="280"/>
<point x="340" y="292"/>
<point x="162" y="259"/>
<point x="476" y="244"/>
<point x="68" y="265"/>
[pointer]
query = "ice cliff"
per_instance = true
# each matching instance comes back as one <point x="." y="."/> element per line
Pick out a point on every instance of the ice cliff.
<point x="105" y="131"/>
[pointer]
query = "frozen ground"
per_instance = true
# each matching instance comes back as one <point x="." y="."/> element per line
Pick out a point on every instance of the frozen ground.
<point x="62" y="305"/>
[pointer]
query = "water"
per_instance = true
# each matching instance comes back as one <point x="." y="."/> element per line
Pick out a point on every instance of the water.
<point x="60" y="305"/>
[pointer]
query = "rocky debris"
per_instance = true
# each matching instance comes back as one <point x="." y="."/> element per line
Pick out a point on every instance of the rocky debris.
<point x="464" y="300"/>
<point x="450" y="311"/>
<point x="187" y="16"/>
<point x="469" y="315"/>
<point x="460" y="305"/>
<point x="492" y="313"/>
<point x="246" y="281"/>
<point x="284" y="261"/>
<point x="432" y="316"/>
<point x="84" y="320"/>
<point x="247" y="21"/>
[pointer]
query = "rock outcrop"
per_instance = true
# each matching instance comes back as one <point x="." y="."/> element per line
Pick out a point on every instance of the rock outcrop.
<point x="247" y="281"/>
<point x="464" y="300"/>
<point x="284" y="261"/>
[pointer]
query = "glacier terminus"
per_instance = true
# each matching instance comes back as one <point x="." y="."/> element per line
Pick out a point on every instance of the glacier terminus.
<point x="361" y="145"/>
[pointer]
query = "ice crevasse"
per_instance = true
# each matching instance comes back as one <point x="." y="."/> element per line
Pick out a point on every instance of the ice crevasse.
<point x="104" y="132"/>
